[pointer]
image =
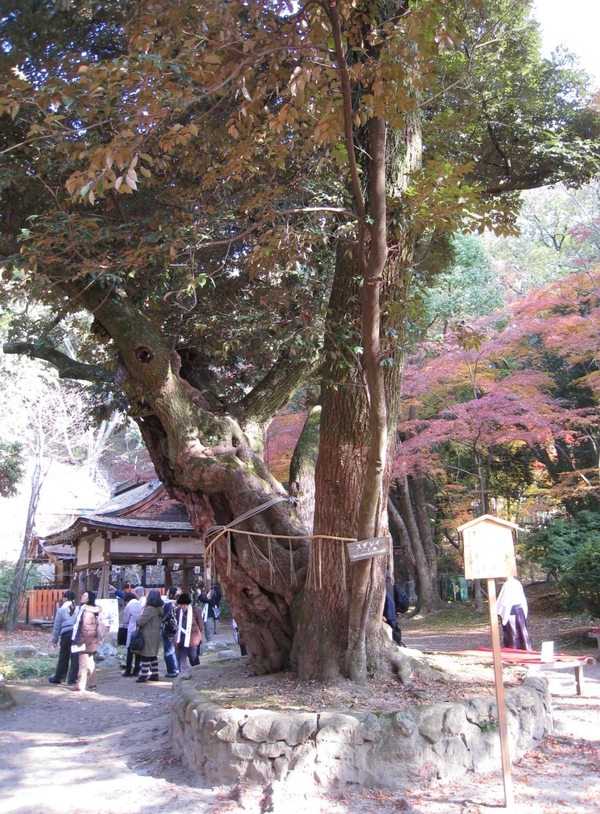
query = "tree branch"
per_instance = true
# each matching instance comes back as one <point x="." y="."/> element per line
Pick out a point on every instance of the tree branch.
<point x="67" y="368"/>
<point x="209" y="244"/>
<point x="272" y="393"/>
<point x="66" y="131"/>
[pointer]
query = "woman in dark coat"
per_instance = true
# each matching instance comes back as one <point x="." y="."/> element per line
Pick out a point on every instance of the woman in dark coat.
<point x="87" y="633"/>
<point x="189" y="633"/>
<point x="210" y="613"/>
<point x="62" y="633"/>
<point x="149" y="623"/>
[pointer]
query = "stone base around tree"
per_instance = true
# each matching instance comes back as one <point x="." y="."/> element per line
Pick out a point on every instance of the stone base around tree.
<point x="327" y="750"/>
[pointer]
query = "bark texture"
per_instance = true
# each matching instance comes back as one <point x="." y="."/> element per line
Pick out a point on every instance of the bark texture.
<point x="302" y="468"/>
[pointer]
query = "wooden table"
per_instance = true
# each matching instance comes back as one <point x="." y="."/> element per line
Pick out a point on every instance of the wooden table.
<point x="533" y="660"/>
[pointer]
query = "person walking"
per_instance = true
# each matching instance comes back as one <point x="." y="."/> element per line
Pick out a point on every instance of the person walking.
<point x="168" y="631"/>
<point x="189" y="633"/>
<point x="62" y="632"/>
<point x="149" y="623"/>
<point x="88" y="632"/>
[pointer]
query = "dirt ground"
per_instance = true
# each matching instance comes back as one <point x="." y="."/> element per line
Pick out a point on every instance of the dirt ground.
<point x="108" y="751"/>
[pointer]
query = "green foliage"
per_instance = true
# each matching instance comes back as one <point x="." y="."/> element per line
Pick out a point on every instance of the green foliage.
<point x="12" y="467"/>
<point x="466" y="287"/>
<point x="7" y="577"/>
<point x="23" y="669"/>
<point x="523" y="121"/>
<point x="568" y="549"/>
<point x="489" y="725"/>
<point x="581" y="580"/>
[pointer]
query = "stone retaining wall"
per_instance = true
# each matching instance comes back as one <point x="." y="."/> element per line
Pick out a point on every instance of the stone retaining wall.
<point x="330" y="749"/>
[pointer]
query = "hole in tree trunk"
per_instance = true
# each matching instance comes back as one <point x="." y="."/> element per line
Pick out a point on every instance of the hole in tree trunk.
<point x="143" y="354"/>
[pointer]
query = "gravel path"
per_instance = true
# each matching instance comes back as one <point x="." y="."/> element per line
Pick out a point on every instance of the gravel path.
<point x="108" y="752"/>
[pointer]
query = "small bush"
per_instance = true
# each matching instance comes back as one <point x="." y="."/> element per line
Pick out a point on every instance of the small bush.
<point x="22" y="669"/>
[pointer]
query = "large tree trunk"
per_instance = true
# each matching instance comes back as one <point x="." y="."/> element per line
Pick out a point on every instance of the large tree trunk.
<point x="321" y="642"/>
<point x="206" y="461"/>
<point x="206" y="458"/>
<point x="340" y="624"/>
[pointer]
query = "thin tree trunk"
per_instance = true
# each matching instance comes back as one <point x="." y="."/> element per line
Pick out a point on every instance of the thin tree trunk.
<point x="429" y="598"/>
<point x="478" y="596"/>
<point x="404" y="538"/>
<point x="365" y="573"/>
<point x="18" y="585"/>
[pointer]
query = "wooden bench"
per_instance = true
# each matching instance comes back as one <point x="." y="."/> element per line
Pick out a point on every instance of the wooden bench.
<point x="533" y="660"/>
<point x="576" y="664"/>
<point x="595" y="634"/>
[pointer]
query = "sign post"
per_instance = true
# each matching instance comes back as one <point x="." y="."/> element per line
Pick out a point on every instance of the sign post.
<point x="489" y="552"/>
<point x="509" y="796"/>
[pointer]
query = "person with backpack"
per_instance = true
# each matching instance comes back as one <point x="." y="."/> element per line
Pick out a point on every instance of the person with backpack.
<point x="401" y="599"/>
<point x="63" y="631"/>
<point x="168" y="630"/>
<point x="88" y="633"/>
<point x="131" y="613"/>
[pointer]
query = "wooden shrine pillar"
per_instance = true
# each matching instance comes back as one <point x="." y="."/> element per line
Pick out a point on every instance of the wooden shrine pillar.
<point x="105" y="572"/>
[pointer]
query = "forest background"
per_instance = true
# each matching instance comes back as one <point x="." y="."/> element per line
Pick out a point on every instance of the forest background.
<point x="497" y="336"/>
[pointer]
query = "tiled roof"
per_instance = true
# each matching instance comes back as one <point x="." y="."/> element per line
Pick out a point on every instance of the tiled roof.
<point x="146" y="509"/>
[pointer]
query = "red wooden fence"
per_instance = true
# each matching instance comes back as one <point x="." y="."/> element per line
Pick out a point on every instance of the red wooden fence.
<point x="43" y="603"/>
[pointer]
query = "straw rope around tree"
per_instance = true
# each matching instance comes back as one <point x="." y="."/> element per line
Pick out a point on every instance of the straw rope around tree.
<point x="314" y="576"/>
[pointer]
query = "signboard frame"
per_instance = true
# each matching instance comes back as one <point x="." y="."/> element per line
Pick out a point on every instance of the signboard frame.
<point x="365" y="549"/>
<point x="489" y="548"/>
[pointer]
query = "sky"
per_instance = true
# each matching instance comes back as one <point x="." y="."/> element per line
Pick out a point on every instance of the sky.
<point x="574" y="23"/>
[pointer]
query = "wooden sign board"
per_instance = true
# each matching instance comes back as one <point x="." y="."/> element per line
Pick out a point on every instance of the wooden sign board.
<point x="489" y="549"/>
<point x="365" y="549"/>
<point x="110" y="612"/>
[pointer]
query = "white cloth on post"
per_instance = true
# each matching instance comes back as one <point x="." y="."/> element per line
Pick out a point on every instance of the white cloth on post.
<point x="512" y="593"/>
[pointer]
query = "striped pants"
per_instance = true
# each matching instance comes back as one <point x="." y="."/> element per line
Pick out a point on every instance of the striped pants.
<point x="148" y="665"/>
